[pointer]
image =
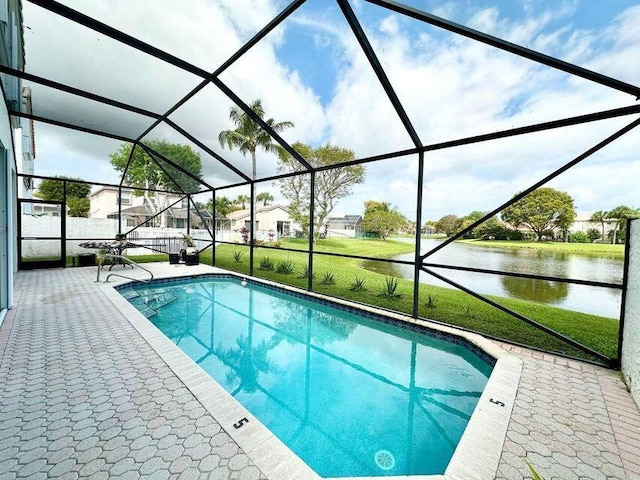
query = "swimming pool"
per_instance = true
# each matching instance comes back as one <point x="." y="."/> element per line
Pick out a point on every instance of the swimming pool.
<point x="351" y="395"/>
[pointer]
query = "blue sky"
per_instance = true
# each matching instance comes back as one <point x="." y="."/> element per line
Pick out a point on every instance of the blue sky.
<point x="312" y="72"/>
<point x="309" y="44"/>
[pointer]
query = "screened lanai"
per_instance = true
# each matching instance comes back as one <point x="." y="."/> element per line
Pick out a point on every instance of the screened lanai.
<point x="431" y="112"/>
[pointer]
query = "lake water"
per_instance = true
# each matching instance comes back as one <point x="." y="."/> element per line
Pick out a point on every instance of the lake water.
<point x="582" y="298"/>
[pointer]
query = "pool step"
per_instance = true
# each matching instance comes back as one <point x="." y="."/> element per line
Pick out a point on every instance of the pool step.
<point x="142" y="307"/>
<point x="148" y="312"/>
<point x="148" y="300"/>
<point x="129" y="293"/>
<point x="160" y="300"/>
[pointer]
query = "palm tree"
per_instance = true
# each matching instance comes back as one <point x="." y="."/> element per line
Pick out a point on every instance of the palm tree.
<point x="223" y="206"/>
<point x="599" y="216"/>
<point x="242" y="201"/>
<point x="621" y="214"/>
<point x="248" y="136"/>
<point x="265" y="198"/>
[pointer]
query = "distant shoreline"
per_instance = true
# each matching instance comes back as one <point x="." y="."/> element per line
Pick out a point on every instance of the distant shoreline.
<point x="616" y="251"/>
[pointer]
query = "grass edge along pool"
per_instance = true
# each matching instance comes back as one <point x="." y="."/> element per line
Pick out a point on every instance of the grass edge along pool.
<point x="341" y="340"/>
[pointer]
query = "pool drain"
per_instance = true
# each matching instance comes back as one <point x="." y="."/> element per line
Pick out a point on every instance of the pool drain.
<point x="385" y="460"/>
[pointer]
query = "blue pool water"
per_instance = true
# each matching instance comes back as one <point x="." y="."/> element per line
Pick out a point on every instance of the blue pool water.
<point x="350" y="395"/>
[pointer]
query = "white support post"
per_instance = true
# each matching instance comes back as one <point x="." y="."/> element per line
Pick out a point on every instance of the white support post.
<point x="631" y="332"/>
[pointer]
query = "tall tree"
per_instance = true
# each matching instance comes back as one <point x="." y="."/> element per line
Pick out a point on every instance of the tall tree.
<point x="265" y="198"/>
<point x="248" y="136"/>
<point x="77" y="194"/>
<point x="242" y="200"/>
<point x="54" y="189"/>
<point x="491" y="229"/>
<point x="468" y="220"/>
<point x="78" y="207"/>
<point x="429" y="227"/>
<point x="383" y="219"/>
<point x="621" y="214"/>
<point x="599" y="216"/>
<point x="144" y="172"/>
<point x="448" y="224"/>
<point x="542" y="210"/>
<point x="330" y="185"/>
<point x="224" y="206"/>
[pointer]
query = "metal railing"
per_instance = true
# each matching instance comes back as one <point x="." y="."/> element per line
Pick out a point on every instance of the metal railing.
<point x="124" y="260"/>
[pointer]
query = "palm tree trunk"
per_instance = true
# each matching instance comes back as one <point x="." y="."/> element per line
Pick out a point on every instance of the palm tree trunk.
<point x="253" y="162"/>
<point x="615" y="230"/>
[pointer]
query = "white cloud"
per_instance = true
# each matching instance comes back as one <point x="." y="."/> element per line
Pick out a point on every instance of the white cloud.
<point x="451" y="88"/>
<point x="60" y="152"/>
<point x="205" y="34"/>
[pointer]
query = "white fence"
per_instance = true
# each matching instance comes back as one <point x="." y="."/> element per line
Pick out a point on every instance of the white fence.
<point x="49" y="226"/>
<point x="79" y="229"/>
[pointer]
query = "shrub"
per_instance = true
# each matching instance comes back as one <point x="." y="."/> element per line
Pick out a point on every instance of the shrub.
<point x="389" y="288"/>
<point x="328" y="279"/>
<point x="285" y="266"/>
<point x="515" y="235"/>
<point x="578" y="237"/>
<point x="431" y="301"/>
<point x="620" y="235"/>
<point x="492" y="229"/>
<point x="305" y="272"/>
<point x="594" y="234"/>
<point x="244" y="233"/>
<point x="265" y="263"/>
<point x="237" y="256"/>
<point x="357" y="285"/>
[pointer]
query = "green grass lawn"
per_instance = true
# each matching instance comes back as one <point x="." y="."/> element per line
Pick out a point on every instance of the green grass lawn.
<point x="366" y="247"/>
<point x="155" y="257"/>
<point x="436" y="303"/>
<point x="599" y="249"/>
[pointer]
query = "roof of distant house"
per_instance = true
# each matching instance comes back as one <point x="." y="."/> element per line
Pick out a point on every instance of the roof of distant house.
<point x="242" y="213"/>
<point x="586" y="217"/>
<point x="125" y="188"/>
<point x="346" y="219"/>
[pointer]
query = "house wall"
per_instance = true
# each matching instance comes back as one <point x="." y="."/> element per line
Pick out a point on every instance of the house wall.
<point x="341" y="233"/>
<point x="8" y="255"/>
<point x="584" y="225"/>
<point x="104" y="202"/>
<point x="631" y="332"/>
<point x="267" y="220"/>
<point x="11" y="54"/>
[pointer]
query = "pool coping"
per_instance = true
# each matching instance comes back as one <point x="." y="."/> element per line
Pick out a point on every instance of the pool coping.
<point x="475" y="458"/>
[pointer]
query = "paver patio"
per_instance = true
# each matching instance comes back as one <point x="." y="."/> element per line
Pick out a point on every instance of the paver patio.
<point x="83" y="395"/>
